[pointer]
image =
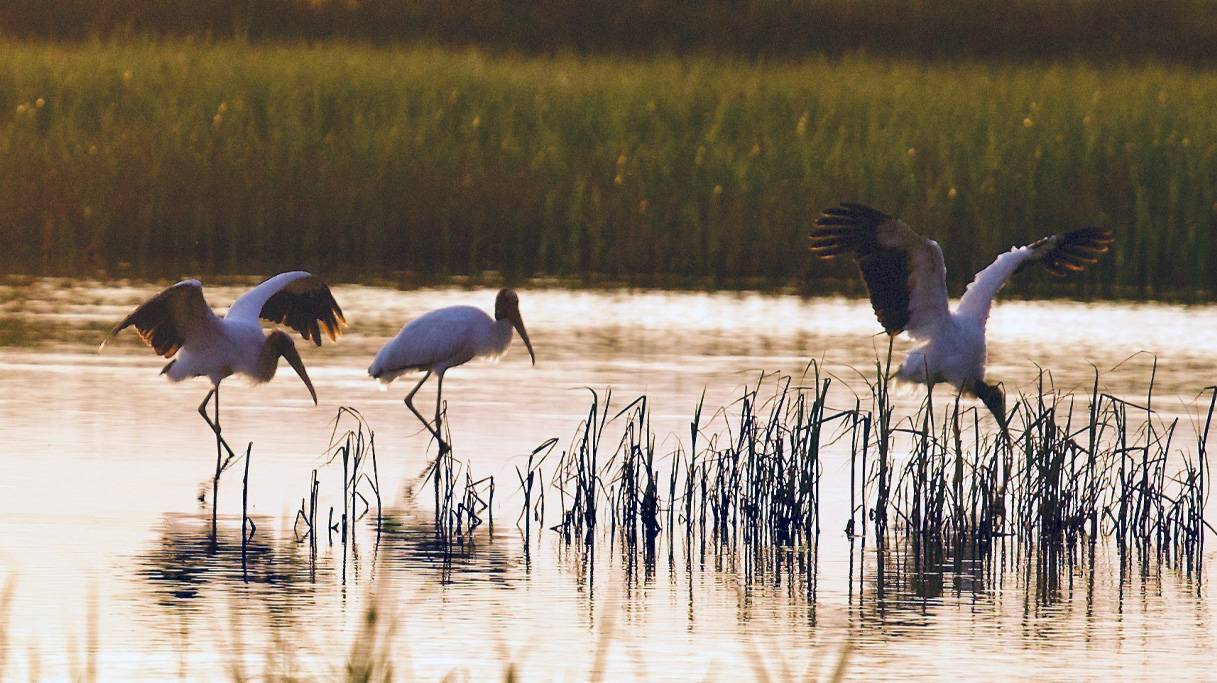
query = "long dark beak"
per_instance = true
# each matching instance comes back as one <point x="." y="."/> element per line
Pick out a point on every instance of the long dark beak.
<point x="518" y="322"/>
<point x="289" y="353"/>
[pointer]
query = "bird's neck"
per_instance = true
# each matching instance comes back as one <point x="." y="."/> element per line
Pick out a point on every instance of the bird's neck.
<point x="268" y="361"/>
<point x="502" y="333"/>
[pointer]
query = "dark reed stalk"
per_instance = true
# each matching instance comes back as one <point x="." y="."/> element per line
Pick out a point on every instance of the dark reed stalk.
<point x="1092" y="498"/>
<point x="883" y="410"/>
<point x="375" y="483"/>
<point x="345" y="452"/>
<point x="247" y="524"/>
<point x="531" y="510"/>
<point x="308" y="514"/>
<point x="1199" y="494"/>
<point x="1145" y="502"/>
<point x="314" y="492"/>
<point x="865" y="440"/>
<point x="853" y="474"/>
<point x="1122" y="428"/>
<point x="959" y="523"/>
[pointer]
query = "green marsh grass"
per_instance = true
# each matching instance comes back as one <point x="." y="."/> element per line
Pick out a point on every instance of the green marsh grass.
<point x="187" y="157"/>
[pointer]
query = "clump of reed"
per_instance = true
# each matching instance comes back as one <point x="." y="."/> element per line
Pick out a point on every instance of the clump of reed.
<point x="533" y="508"/>
<point x="1073" y="470"/>
<point x="356" y="447"/>
<point x="462" y="503"/>
<point x="752" y="492"/>
<point x="1068" y="470"/>
<point x="353" y="443"/>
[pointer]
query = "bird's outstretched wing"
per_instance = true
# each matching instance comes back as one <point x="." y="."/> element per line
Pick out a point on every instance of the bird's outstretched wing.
<point x="1060" y="254"/>
<point x="168" y="319"/>
<point x="904" y="272"/>
<point x="296" y="299"/>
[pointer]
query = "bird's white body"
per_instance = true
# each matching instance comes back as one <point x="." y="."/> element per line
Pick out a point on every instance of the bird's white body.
<point x="955" y="354"/>
<point x="230" y="347"/>
<point x="445" y="338"/>
<point x="952" y="347"/>
<point x="442" y="339"/>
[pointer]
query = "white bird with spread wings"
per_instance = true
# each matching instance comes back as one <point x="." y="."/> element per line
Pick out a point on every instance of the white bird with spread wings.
<point x="906" y="278"/>
<point x="178" y="324"/>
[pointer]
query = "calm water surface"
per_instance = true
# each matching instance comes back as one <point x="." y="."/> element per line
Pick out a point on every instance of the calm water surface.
<point x="107" y="548"/>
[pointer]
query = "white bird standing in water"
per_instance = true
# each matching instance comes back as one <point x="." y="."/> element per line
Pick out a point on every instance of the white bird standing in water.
<point x="445" y="338"/>
<point x="906" y="277"/>
<point x="179" y="321"/>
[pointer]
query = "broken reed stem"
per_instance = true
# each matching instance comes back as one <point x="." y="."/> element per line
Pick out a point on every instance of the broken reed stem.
<point x="530" y="509"/>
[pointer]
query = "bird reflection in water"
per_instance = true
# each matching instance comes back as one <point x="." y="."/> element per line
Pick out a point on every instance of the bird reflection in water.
<point x="187" y="571"/>
<point x="187" y="567"/>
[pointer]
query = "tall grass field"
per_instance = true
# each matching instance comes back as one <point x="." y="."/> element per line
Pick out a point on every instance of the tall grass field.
<point x="191" y="156"/>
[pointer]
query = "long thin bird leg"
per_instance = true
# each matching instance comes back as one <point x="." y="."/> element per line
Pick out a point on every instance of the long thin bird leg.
<point x="203" y="406"/>
<point x="439" y="397"/>
<point x="410" y="404"/>
<point x="215" y="481"/>
<point x="221" y="446"/>
<point x="215" y="425"/>
<point x="435" y="467"/>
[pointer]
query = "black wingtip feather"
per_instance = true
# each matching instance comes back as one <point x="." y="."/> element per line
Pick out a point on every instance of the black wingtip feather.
<point x="309" y="308"/>
<point x="848" y="228"/>
<point x="852" y="229"/>
<point x="1078" y="249"/>
<point x="154" y="319"/>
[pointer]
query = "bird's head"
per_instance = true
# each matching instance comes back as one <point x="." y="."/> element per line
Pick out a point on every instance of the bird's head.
<point x="994" y="399"/>
<point x="507" y="307"/>
<point x="281" y="345"/>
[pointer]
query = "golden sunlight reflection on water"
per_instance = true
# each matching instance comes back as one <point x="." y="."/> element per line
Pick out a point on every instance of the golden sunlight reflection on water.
<point x="104" y="462"/>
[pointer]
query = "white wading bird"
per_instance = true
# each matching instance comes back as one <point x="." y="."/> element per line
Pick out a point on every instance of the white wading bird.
<point x="445" y="338"/>
<point x="179" y="321"/>
<point x="906" y="278"/>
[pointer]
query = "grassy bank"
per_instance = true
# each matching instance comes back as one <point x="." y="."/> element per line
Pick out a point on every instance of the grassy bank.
<point x="183" y="157"/>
